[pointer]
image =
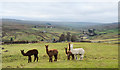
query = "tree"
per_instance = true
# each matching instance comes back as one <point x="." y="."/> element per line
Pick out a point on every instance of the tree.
<point x="73" y="38"/>
<point x="35" y="26"/>
<point x="11" y="39"/>
<point x="42" y="40"/>
<point x="54" y="41"/>
<point x="81" y="37"/>
<point x="48" y="24"/>
<point x="68" y="36"/>
<point x="62" y="38"/>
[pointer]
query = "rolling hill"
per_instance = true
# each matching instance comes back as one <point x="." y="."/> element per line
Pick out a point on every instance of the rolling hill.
<point x="21" y="30"/>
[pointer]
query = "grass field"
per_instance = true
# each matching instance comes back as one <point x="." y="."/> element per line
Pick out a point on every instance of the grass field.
<point x="97" y="55"/>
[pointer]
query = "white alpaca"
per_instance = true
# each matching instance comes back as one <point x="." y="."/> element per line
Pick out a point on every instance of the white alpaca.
<point x="77" y="51"/>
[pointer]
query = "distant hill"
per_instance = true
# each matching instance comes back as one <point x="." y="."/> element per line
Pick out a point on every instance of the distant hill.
<point x="75" y="25"/>
<point x="47" y="30"/>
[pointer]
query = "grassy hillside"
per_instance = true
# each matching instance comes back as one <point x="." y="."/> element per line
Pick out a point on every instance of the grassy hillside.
<point x="97" y="55"/>
<point x="109" y="36"/>
<point x="21" y="30"/>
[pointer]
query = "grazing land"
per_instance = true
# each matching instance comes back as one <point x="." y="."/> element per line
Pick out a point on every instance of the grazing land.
<point x="97" y="55"/>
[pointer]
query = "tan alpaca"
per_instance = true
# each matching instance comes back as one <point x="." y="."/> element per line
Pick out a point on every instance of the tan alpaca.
<point x="51" y="53"/>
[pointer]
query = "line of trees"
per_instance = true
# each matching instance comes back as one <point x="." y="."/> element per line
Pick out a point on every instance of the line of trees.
<point x="68" y="37"/>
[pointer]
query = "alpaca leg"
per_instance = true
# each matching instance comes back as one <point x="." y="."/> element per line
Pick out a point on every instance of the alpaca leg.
<point x="30" y="59"/>
<point x="76" y="56"/>
<point x="68" y="57"/>
<point x="55" y="57"/>
<point x="81" y="57"/>
<point x="35" y="56"/>
<point x="72" y="56"/>
<point x="50" y="59"/>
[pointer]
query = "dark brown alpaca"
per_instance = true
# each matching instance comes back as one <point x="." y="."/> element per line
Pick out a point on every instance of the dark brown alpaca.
<point x="69" y="53"/>
<point x="51" y="53"/>
<point x="30" y="53"/>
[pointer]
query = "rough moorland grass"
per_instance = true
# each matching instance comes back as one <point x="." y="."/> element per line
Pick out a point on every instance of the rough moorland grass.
<point x="97" y="55"/>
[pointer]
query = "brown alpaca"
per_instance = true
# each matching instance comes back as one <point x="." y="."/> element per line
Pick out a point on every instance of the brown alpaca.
<point x="69" y="53"/>
<point x="51" y="53"/>
<point x="30" y="53"/>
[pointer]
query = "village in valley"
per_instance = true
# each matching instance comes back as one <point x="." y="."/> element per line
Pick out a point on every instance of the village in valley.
<point x="59" y="35"/>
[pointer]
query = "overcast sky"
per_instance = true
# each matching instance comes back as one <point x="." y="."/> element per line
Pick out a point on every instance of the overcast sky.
<point x="61" y="11"/>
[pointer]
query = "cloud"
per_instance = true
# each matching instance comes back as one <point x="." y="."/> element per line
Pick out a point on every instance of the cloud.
<point x="62" y="11"/>
<point x="59" y="0"/>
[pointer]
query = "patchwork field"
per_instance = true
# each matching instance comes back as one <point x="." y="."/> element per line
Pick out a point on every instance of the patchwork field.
<point x="97" y="55"/>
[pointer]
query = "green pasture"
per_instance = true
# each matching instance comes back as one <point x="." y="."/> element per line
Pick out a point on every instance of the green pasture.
<point x="97" y="55"/>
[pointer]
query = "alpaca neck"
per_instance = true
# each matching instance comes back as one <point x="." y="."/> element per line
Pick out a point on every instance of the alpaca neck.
<point x="23" y="53"/>
<point x="71" y="49"/>
<point x="66" y="51"/>
<point x="47" y="50"/>
<point x="69" y="46"/>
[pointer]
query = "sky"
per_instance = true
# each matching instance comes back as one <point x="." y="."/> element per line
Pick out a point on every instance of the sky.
<point x="64" y="11"/>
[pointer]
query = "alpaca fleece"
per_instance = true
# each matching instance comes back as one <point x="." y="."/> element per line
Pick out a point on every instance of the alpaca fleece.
<point x="30" y="53"/>
<point x="51" y="53"/>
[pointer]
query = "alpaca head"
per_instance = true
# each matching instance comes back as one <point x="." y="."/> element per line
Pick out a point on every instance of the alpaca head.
<point x="65" y="48"/>
<point x="46" y="46"/>
<point x="69" y="43"/>
<point x="22" y="50"/>
<point x="69" y="46"/>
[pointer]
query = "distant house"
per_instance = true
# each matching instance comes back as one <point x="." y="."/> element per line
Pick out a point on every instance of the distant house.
<point x="39" y="26"/>
<point x="43" y="26"/>
<point x="44" y="31"/>
<point x="91" y="32"/>
<point x="50" y="26"/>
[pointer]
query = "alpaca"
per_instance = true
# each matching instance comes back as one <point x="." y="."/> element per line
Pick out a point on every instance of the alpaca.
<point x="51" y="53"/>
<point x="69" y="53"/>
<point x="30" y="53"/>
<point x="69" y="46"/>
<point x="77" y="51"/>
